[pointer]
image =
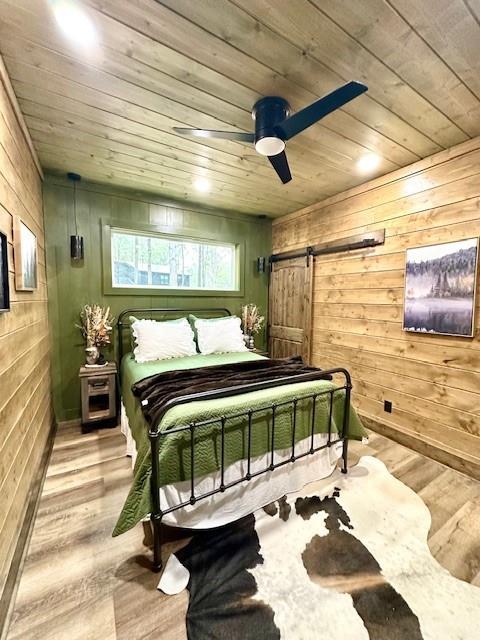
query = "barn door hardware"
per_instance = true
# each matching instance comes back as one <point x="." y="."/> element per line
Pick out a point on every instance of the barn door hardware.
<point x="350" y="243"/>
<point x="290" y="255"/>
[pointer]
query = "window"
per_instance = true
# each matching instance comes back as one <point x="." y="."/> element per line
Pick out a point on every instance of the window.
<point x="156" y="261"/>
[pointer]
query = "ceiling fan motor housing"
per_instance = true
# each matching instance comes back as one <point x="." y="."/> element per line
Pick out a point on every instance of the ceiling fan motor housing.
<point x="267" y="113"/>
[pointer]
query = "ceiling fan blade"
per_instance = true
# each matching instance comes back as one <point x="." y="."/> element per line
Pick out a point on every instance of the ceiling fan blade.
<point x="314" y="112"/>
<point x="280" y="164"/>
<point x="238" y="136"/>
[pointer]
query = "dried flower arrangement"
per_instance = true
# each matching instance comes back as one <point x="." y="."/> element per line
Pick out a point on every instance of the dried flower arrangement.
<point x="252" y="321"/>
<point x="96" y="325"/>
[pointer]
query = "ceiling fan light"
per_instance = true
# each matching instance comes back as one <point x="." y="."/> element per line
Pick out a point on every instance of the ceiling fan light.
<point x="269" y="146"/>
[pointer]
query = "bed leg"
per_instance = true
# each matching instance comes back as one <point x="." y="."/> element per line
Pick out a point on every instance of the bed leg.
<point x="346" y="420"/>
<point x="345" y="456"/>
<point x="156" y="521"/>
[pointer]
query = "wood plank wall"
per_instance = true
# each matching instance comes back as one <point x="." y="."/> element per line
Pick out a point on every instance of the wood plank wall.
<point x="25" y="405"/>
<point x="432" y="381"/>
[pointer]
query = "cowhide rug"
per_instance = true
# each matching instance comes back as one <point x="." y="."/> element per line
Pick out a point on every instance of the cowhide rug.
<point x="343" y="559"/>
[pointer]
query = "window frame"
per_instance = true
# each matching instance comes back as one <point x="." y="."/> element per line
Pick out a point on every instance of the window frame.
<point x="146" y="291"/>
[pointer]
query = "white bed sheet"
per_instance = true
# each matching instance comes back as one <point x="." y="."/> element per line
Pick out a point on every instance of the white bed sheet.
<point x="239" y="501"/>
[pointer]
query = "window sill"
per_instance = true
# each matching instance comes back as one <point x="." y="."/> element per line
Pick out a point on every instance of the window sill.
<point x="148" y="292"/>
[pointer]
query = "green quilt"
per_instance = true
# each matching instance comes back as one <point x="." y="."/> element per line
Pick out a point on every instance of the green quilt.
<point x="174" y="456"/>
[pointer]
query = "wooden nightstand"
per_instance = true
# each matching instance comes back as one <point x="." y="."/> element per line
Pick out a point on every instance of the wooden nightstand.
<point x="99" y="394"/>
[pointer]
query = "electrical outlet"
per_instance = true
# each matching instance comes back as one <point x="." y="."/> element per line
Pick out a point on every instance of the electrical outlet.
<point x="387" y="406"/>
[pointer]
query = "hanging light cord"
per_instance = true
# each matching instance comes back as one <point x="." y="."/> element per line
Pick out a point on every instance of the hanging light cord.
<point x="75" y="206"/>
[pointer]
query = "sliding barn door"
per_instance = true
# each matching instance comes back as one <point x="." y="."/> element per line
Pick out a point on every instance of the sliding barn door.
<point x="290" y="308"/>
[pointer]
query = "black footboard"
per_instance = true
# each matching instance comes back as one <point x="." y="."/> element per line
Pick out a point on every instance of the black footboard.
<point x="156" y="436"/>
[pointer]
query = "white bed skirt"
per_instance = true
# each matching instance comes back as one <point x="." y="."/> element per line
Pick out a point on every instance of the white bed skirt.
<point x="239" y="501"/>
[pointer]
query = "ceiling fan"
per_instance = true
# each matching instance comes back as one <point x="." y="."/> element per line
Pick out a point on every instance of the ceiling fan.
<point x="274" y="124"/>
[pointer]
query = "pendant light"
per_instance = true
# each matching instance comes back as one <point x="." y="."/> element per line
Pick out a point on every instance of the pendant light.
<point x="76" y="241"/>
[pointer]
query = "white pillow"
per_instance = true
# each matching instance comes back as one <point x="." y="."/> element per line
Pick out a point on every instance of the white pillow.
<point x="220" y="335"/>
<point x="162" y="340"/>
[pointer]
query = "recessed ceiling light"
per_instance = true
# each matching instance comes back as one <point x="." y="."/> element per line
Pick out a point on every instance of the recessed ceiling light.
<point x="369" y="162"/>
<point x="74" y="22"/>
<point x="201" y="184"/>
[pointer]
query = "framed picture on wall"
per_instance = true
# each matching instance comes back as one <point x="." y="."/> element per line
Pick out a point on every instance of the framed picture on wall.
<point x="25" y="251"/>
<point x="4" y="285"/>
<point x="440" y="285"/>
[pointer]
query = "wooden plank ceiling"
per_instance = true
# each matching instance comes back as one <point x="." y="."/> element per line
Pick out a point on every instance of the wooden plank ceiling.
<point x="107" y="111"/>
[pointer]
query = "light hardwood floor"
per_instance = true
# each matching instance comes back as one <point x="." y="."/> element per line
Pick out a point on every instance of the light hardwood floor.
<point x="80" y="583"/>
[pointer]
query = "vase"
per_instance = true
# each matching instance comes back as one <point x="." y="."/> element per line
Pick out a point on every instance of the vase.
<point x="91" y="354"/>
<point x="251" y="342"/>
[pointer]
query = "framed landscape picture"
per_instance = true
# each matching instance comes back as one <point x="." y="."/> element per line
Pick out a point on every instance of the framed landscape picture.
<point x="440" y="283"/>
<point x="4" y="286"/>
<point x="25" y="250"/>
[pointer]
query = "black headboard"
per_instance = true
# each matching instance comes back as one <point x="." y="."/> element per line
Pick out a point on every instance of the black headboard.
<point x="123" y="321"/>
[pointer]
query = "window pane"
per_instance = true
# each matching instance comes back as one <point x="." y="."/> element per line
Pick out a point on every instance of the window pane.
<point x="139" y="260"/>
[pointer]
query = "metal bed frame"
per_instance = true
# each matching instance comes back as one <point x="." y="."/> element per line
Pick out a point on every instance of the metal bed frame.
<point x="156" y="436"/>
